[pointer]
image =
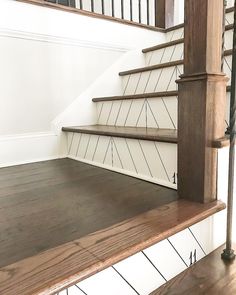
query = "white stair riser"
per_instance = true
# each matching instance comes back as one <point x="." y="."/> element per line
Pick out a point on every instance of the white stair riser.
<point x="175" y="34"/>
<point x="152" y="81"/>
<point x="147" y="270"/>
<point x="167" y="54"/>
<point x="152" y="112"/>
<point x="148" y="160"/>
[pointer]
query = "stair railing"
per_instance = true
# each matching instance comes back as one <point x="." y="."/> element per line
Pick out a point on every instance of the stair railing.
<point x="153" y="13"/>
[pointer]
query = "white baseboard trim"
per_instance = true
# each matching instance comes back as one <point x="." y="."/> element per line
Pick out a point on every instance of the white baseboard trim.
<point x="28" y="148"/>
<point x="125" y="172"/>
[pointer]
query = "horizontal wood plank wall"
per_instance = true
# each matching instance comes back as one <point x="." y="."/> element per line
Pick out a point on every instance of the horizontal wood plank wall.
<point x="202" y="99"/>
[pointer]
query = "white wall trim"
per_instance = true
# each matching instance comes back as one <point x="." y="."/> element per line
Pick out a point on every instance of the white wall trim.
<point x="28" y="148"/>
<point x="26" y="35"/>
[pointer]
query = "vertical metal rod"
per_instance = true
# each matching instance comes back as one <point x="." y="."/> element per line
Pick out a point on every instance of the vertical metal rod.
<point x="122" y="9"/>
<point x="131" y="10"/>
<point x="148" y="14"/>
<point x="112" y="8"/>
<point x="81" y="4"/>
<point x="103" y="8"/>
<point x="139" y="11"/>
<point x="92" y="6"/>
<point x="228" y="253"/>
<point x="223" y="36"/>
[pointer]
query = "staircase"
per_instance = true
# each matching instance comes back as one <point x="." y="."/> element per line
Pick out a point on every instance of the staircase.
<point x="110" y="220"/>
<point x="136" y="135"/>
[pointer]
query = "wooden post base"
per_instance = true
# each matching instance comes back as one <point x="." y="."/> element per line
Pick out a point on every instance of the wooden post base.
<point x="202" y="101"/>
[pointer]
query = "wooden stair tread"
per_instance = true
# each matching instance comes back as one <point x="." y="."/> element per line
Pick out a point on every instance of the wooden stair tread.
<point x="163" y="45"/>
<point x="81" y="220"/>
<point x="48" y="204"/>
<point x="152" y="68"/>
<point x="142" y="133"/>
<point x="211" y="275"/>
<point x="175" y="42"/>
<point x="136" y="96"/>
<point x="141" y="96"/>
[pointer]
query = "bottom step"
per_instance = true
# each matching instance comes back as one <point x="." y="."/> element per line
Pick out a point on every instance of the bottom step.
<point x="63" y="221"/>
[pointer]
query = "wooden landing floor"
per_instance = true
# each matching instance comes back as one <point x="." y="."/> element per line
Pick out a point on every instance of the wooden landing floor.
<point x="62" y="221"/>
<point x="47" y="204"/>
<point x="210" y="276"/>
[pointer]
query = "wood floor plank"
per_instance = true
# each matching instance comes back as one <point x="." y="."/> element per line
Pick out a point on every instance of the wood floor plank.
<point x="50" y="203"/>
<point x="210" y="276"/>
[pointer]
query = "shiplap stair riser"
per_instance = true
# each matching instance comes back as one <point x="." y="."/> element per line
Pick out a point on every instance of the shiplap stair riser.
<point x="151" y="112"/>
<point x="149" y="269"/>
<point x="149" y="160"/>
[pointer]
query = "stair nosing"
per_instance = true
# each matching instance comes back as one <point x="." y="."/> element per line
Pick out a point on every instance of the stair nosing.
<point x="163" y="45"/>
<point x="172" y="43"/>
<point x="158" y="138"/>
<point x="152" y="68"/>
<point x="142" y="95"/>
<point x="137" y="96"/>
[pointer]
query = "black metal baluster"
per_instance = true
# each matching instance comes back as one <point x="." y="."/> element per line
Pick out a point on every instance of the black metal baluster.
<point x="103" y="8"/>
<point x="71" y="3"/>
<point x="228" y="253"/>
<point x="112" y="8"/>
<point x="139" y="11"/>
<point x="92" y="5"/>
<point x="148" y="14"/>
<point x="81" y="4"/>
<point x="122" y="9"/>
<point x="131" y="10"/>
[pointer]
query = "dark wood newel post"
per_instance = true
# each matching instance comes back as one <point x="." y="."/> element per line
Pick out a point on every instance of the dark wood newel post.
<point x="202" y="100"/>
<point x="164" y="13"/>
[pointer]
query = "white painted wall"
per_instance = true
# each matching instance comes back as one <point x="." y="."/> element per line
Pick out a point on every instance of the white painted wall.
<point x="48" y="59"/>
<point x="179" y="12"/>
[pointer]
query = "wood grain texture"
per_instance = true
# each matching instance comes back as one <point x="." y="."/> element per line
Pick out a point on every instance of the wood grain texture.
<point x="164" y="13"/>
<point x="210" y="276"/>
<point x="91" y="14"/>
<point x="62" y="266"/>
<point x="153" y="134"/>
<point x="137" y="96"/>
<point x="152" y="68"/>
<point x="163" y="45"/>
<point x="202" y="97"/>
<point x="46" y="204"/>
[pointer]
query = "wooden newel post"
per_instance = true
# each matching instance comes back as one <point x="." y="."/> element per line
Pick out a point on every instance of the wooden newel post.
<point x="164" y="13"/>
<point x="202" y="100"/>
